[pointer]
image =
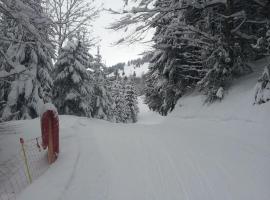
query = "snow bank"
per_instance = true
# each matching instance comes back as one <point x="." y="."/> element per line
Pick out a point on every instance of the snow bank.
<point x="237" y="105"/>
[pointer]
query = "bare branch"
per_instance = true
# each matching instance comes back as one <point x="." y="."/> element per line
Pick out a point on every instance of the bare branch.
<point x="71" y="16"/>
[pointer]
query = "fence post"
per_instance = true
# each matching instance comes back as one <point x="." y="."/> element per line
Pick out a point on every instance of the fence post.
<point x="26" y="161"/>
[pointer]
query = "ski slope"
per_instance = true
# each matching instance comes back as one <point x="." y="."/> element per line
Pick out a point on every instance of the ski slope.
<point x="129" y="70"/>
<point x="199" y="152"/>
<point x="100" y="160"/>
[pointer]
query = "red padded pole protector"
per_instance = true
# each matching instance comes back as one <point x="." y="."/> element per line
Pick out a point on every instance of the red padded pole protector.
<point x="50" y="120"/>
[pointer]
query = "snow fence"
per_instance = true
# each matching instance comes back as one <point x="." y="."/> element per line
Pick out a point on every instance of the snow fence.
<point x="24" y="167"/>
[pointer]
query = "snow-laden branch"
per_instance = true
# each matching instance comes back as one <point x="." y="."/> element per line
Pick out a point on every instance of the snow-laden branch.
<point x="16" y="67"/>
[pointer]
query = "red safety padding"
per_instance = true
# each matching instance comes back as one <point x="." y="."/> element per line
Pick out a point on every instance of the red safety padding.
<point x="50" y="116"/>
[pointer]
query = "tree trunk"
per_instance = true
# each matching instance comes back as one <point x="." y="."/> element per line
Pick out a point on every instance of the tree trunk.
<point x="229" y="27"/>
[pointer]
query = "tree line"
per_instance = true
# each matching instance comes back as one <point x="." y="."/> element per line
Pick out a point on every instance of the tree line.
<point x="44" y="57"/>
<point x="199" y="45"/>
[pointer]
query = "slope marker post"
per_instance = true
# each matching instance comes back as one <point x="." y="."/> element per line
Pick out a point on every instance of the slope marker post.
<point x="28" y="174"/>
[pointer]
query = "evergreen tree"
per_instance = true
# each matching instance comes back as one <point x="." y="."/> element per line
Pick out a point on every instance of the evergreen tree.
<point x="226" y="23"/>
<point x="125" y="109"/>
<point x="73" y="89"/>
<point x="118" y="94"/>
<point x="102" y="100"/>
<point x="202" y="44"/>
<point x="177" y="63"/>
<point x="26" y="53"/>
<point x="131" y="103"/>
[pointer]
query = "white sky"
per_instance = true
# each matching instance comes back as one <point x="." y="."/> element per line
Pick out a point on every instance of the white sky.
<point x="113" y="54"/>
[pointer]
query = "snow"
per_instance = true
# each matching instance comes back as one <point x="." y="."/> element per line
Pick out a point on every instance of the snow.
<point x="71" y="96"/>
<point x="76" y="78"/>
<point x="28" y="85"/>
<point x="129" y="70"/>
<point x="262" y="95"/>
<point x="146" y="116"/>
<point x="46" y="107"/>
<point x="220" y="93"/>
<point x="199" y="152"/>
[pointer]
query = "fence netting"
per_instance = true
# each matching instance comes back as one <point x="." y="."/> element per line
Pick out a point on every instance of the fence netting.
<point x="18" y="172"/>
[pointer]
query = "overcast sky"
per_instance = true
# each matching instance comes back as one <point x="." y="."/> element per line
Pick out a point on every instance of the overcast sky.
<point x="114" y="54"/>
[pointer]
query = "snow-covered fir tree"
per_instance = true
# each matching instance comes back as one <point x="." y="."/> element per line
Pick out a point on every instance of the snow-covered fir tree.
<point x="102" y="101"/>
<point x="26" y="59"/>
<point x="73" y="84"/>
<point x="176" y="64"/>
<point x="198" y="44"/>
<point x="118" y="94"/>
<point x="132" y="109"/>
<point x="125" y="105"/>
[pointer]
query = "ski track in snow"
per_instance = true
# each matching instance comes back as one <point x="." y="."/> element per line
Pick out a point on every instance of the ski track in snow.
<point x="220" y="152"/>
<point x="73" y="173"/>
<point x="136" y="162"/>
<point x="178" y="157"/>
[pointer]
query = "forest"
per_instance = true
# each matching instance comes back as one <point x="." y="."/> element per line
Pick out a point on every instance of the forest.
<point x="134" y="99"/>
<point x="45" y="59"/>
<point x="200" y="45"/>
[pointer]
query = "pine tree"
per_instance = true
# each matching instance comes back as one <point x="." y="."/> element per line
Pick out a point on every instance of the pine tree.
<point x="225" y="60"/>
<point x="131" y="102"/>
<point x="219" y="74"/>
<point x="176" y="65"/>
<point x="197" y="44"/>
<point x="118" y="94"/>
<point x="102" y="100"/>
<point x="26" y="59"/>
<point x="73" y="89"/>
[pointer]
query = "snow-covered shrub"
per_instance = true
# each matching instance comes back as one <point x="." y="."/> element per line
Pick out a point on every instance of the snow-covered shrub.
<point x="262" y="88"/>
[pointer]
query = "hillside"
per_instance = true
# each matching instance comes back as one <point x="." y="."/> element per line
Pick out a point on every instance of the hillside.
<point x="130" y="69"/>
<point x="138" y="66"/>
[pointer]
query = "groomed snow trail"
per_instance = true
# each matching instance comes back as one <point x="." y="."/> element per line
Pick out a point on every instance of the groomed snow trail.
<point x="161" y="159"/>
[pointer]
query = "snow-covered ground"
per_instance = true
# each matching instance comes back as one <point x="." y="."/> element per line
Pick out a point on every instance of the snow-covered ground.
<point x="130" y="69"/>
<point x="199" y="152"/>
